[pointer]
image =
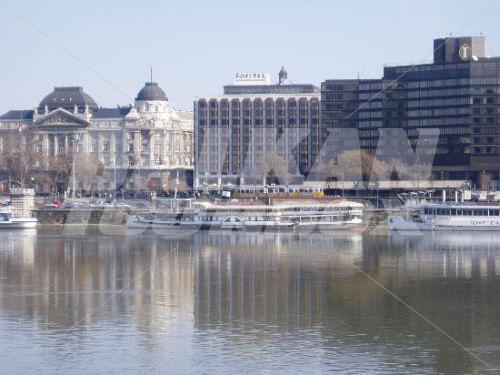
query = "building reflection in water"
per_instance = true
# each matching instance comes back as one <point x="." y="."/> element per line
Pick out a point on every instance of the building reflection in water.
<point x="466" y="254"/>
<point x="268" y="278"/>
<point x="71" y="282"/>
<point x="263" y="284"/>
<point x="304" y="291"/>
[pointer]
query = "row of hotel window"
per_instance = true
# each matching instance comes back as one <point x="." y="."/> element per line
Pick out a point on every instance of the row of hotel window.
<point x="377" y="98"/>
<point x="376" y="86"/>
<point x="451" y="101"/>
<point x="416" y="132"/>
<point x="464" y="91"/>
<point x="439" y="112"/>
<point x="462" y="211"/>
<point x="453" y="111"/>
<point x="434" y="122"/>
<point x="453" y="82"/>
<point x="257" y="102"/>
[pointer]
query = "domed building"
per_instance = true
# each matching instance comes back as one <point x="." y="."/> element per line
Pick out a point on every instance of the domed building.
<point x="144" y="146"/>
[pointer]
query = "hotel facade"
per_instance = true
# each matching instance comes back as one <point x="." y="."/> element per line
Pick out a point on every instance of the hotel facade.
<point x="129" y="146"/>
<point x="455" y="98"/>
<point x="236" y="132"/>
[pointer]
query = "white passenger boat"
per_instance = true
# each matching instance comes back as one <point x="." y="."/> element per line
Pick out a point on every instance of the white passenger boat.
<point x="9" y="220"/>
<point x="255" y="215"/>
<point x="155" y="220"/>
<point x="447" y="216"/>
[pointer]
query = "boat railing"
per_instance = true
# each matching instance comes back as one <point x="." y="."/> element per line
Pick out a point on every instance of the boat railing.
<point x="461" y="204"/>
<point x="20" y="214"/>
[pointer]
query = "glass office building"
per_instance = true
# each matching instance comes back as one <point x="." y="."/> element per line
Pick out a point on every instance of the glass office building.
<point x="457" y="96"/>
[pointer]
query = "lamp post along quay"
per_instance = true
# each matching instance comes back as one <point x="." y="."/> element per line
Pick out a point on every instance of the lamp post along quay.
<point x="73" y="139"/>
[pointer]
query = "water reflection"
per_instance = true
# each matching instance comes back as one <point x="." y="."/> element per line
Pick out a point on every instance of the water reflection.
<point x="76" y="281"/>
<point x="223" y="301"/>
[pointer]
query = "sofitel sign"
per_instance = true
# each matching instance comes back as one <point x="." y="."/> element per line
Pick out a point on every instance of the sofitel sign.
<point x="252" y="78"/>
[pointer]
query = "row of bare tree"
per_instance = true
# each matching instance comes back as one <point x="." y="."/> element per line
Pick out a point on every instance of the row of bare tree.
<point x="21" y="164"/>
<point x="352" y="165"/>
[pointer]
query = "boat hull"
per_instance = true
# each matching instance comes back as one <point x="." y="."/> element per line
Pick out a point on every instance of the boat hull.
<point x="140" y="224"/>
<point x="19" y="224"/>
<point x="401" y="223"/>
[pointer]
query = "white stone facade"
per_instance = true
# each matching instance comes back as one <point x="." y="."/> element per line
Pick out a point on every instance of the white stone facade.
<point x="132" y="143"/>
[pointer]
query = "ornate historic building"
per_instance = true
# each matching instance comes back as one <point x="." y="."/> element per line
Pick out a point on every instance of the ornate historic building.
<point x="129" y="147"/>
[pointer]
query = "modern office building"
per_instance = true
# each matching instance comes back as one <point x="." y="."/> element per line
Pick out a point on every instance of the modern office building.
<point x="457" y="95"/>
<point x="236" y="131"/>
<point x="128" y="145"/>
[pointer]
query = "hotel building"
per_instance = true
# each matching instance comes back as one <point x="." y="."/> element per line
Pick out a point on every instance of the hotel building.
<point x="234" y="132"/>
<point x="457" y="95"/>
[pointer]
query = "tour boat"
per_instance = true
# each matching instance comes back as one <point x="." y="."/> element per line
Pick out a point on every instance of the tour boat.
<point x="9" y="220"/>
<point x="255" y="215"/>
<point x="153" y="220"/>
<point x="447" y="216"/>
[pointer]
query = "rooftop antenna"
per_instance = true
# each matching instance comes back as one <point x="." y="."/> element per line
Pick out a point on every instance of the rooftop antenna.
<point x="151" y="73"/>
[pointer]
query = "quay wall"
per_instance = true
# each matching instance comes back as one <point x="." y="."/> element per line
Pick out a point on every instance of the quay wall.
<point x="92" y="216"/>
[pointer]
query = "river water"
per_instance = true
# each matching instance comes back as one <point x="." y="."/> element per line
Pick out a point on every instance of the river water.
<point x="224" y="302"/>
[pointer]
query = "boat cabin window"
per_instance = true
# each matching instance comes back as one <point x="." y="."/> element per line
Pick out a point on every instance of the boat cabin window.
<point x="494" y="212"/>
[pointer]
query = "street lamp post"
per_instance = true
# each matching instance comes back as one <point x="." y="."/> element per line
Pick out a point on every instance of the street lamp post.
<point x="21" y="177"/>
<point x="73" y="139"/>
<point x="159" y="187"/>
<point x="375" y="185"/>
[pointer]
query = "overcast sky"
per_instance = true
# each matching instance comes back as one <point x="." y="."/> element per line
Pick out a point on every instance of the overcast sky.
<point x="196" y="46"/>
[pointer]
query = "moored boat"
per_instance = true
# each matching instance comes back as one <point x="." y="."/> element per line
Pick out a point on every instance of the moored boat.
<point x="447" y="217"/>
<point x="255" y="215"/>
<point x="9" y="220"/>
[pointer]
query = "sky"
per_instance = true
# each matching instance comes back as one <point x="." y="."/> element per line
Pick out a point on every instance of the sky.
<point x="195" y="47"/>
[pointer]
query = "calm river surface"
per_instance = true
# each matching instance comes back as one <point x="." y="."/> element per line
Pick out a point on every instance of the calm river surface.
<point x="216" y="302"/>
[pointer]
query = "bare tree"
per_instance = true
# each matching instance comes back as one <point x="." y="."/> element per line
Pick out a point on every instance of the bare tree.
<point x="354" y="165"/>
<point x="87" y="172"/>
<point x="274" y="170"/>
<point x="16" y="158"/>
<point x="398" y="170"/>
<point x="58" y="168"/>
<point x="166" y="183"/>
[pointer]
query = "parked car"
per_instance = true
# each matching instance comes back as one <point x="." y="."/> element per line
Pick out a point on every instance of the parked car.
<point x="54" y="204"/>
<point x="70" y="205"/>
<point x="122" y="205"/>
<point x="142" y="205"/>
